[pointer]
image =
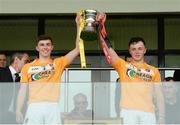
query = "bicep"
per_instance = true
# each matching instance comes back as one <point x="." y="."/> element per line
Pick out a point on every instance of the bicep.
<point x="24" y="75"/>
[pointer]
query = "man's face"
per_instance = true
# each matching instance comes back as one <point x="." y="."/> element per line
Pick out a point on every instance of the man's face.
<point x="2" y="60"/>
<point x="137" y="51"/>
<point x="44" y="48"/>
<point x="81" y="104"/>
<point x="23" y="61"/>
<point x="26" y="58"/>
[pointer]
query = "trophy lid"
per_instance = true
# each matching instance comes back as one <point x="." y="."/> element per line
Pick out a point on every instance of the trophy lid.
<point x="90" y="15"/>
<point x="91" y="11"/>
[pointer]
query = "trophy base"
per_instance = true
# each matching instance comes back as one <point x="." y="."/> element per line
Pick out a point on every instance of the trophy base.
<point x="88" y="36"/>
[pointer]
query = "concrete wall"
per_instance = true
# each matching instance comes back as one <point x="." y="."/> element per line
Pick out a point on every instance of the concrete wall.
<point x="72" y="6"/>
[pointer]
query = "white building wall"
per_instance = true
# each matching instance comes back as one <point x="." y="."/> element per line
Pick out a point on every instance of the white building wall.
<point x="72" y="6"/>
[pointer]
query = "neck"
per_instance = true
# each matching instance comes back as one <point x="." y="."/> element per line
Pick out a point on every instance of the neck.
<point x="15" y="67"/>
<point x="44" y="58"/>
<point x="138" y="62"/>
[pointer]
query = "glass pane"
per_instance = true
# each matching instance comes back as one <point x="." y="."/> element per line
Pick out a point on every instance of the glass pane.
<point x="172" y="99"/>
<point x="172" y="30"/>
<point x="80" y="76"/>
<point x="121" y="30"/>
<point x="63" y="33"/>
<point x="113" y="75"/>
<point x="18" y="34"/>
<point x="80" y="89"/>
<point x="62" y="100"/>
<point x="138" y="96"/>
<point x="169" y="73"/>
<point x="172" y="61"/>
<point x="114" y="99"/>
<point x="63" y="77"/>
<point x="79" y="85"/>
<point x="166" y="73"/>
<point x="152" y="60"/>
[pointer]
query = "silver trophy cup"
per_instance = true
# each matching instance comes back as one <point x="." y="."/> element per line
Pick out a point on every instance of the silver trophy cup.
<point x="89" y="32"/>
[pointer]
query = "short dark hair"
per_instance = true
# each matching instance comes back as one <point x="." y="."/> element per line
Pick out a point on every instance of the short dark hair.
<point x="134" y="40"/>
<point x="44" y="37"/>
<point x="19" y="55"/>
<point x="79" y="95"/>
<point x="2" y="53"/>
<point x="168" y="79"/>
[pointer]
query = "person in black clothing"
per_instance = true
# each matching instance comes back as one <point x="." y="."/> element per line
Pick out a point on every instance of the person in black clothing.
<point x="176" y="76"/>
<point x="3" y="60"/>
<point x="8" y="91"/>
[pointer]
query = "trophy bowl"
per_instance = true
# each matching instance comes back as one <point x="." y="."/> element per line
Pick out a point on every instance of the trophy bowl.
<point x="89" y="32"/>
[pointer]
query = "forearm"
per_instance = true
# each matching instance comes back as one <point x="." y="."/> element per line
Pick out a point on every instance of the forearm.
<point x="77" y="37"/>
<point x="109" y="52"/>
<point x="21" y="98"/>
<point x="103" y="34"/>
<point x="104" y="40"/>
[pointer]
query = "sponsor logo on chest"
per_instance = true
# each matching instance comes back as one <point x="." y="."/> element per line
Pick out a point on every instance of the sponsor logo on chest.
<point x="139" y="73"/>
<point x="40" y="68"/>
<point x="39" y="72"/>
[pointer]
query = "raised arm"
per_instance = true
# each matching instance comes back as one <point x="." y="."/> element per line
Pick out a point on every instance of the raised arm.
<point x="109" y="52"/>
<point x="75" y="52"/>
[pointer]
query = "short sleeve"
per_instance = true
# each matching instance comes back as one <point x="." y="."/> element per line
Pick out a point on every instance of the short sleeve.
<point x="118" y="64"/>
<point x="61" y="62"/>
<point x="24" y="74"/>
<point x="157" y="77"/>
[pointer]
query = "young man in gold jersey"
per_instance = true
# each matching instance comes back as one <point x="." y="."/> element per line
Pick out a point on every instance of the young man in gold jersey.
<point x="42" y="78"/>
<point x="139" y="81"/>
